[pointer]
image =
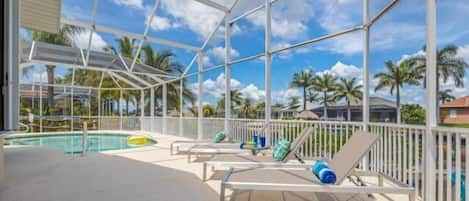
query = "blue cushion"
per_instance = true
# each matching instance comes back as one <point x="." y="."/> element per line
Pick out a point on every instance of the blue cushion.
<point x="281" y="150"/>
<point x="318" y="166"/>
<point x="219" y="137"/>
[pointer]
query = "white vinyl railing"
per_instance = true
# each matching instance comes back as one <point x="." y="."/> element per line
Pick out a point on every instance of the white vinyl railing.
<point x="399" y="153"/>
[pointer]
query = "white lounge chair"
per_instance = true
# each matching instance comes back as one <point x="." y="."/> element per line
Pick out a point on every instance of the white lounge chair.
<point x="303" y="180"/>
<point x="243" y="160"/>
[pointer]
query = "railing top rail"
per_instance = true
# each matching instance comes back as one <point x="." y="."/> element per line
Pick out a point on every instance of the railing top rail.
<point x="420" y="127"/>
<point x="451" y="130"/>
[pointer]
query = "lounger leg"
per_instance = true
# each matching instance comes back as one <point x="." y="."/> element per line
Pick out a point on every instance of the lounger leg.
<point x="171" y="149"/>
<point x="412" y="196"/>
<point x="189" y="158"/>
<point x="380" y="180"/>
<point x="204" y="173"/>
<point x="222" y="192"/>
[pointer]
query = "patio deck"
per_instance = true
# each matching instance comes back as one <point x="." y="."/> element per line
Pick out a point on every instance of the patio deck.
<point x="141" y="174"/>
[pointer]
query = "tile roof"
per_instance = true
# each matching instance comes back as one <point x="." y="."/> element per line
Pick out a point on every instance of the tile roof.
<point x="460" y="102"/>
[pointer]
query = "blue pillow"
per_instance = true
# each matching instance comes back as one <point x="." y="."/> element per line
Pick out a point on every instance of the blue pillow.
<point x="219" y="137"/>
<point x="281" y="150"/>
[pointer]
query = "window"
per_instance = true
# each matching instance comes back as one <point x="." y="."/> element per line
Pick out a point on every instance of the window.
<point x="452" y="113"/>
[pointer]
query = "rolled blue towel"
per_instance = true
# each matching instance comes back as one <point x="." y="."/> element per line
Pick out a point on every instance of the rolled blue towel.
<point x="318" y="166"/>
<point x="327" y="176"/>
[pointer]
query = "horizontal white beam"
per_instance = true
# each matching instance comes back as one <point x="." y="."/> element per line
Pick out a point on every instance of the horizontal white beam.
<point x="138" y="79"/>
<point x="101" y="28"/>
<point x="213" y="5"/>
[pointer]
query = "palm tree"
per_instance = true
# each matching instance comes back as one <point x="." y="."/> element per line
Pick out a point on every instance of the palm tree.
<point x="397" y="76"/>
<point x="325" y="84"/>
<point x="64" y="38"/>
<point x="247" y="108"/>
<point x="348" y="90"/>
<point x="163" y="61"/>
<point x="448" y="65"/>
<point x="313" y="96"/>
<point x="293" y="101"/>
<point x="302" y="80"/>
<point x="208" y="110"/>
<point x="445" y="96"/>
<point x="236" y="98"/>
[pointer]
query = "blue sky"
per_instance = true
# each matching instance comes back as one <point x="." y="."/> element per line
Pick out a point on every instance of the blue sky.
<point x="398" y="34"/>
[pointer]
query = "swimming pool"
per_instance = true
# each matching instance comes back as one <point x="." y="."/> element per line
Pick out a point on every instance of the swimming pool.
<point x="72" y="143"/>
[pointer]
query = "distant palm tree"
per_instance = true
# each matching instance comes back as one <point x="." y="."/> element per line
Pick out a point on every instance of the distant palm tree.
<point x="348" y="90"/>
<point x="247" y="108"/>
<point x="313" y="96"/>
<point x="302" y="80"/>
<point x="293" y="101"/>
<point x="445" y="96"/>
<point x="208" y="110"/>
<point x="236" y="98"/>
<point x="397" y="76"/>
<point x="325" y="84"/>
<point x="64" y="38"/>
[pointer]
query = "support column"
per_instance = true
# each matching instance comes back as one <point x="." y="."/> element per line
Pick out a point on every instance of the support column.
<point x="152" y="108"/>
<point x="366" y="70"/>
<point x="120" y="108"/>
<point x="227" y="74"/>
<point x="199" y="97"/>
<point x="268" y="69"/>
<point x="181" y="107"/>
<point x="431" y="93"/>
<point x="366" y="74"/>
<point x="165" y="107"/>
<point x="11" y="17"/>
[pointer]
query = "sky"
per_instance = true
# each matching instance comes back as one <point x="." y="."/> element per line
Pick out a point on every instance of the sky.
<point x="398" y="35"/>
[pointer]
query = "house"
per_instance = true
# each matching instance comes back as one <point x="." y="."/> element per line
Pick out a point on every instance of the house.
<point x="455" y="112"/>
<point x="381" y="110"/>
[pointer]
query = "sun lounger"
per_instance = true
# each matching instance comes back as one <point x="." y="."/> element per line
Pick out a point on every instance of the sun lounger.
<point x="243" y="160"/>
<point x="303" y="180"/>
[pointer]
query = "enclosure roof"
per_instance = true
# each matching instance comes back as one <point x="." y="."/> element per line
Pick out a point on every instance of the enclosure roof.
<point x="116" y="65"/>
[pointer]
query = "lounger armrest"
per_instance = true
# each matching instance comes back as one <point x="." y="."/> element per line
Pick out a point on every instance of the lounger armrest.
<point x="243" y="165"/>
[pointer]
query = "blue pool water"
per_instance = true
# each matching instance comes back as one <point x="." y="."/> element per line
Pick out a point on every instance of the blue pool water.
<point x="72" y="143"/>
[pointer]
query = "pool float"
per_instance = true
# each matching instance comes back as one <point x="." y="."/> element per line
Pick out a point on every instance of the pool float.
<point x="137" y="140"/>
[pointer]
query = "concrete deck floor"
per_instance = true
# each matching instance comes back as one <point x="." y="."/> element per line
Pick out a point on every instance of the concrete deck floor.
<point x="140" y="174"/>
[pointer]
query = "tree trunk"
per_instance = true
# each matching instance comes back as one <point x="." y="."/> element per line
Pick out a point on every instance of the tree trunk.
<point x="349" y="115"/>
<point x="304" y="98"/>
<point x="398" y="104"/>
<point x="127" y="106"/>
<point x="325" y="106"/>
<point x="50" y="88"/>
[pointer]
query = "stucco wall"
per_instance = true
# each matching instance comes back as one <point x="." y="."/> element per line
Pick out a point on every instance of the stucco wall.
<point x="462" y="116"/>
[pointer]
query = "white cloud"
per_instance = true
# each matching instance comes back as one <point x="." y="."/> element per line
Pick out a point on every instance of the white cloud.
<point x="131" y="3"/>
<point x="252" y="92"/>
<point x="281" y="96"/>
<point x="81" y="40"/>
<point x="343" y="70"/>
<point x="218" y="53"/>
<point x="161" y="23"/>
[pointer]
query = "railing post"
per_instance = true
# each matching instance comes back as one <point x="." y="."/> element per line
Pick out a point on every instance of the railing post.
<point x="142" y="108"/>
<point x="152" y="107"/>
<point x="268" y="67"/>
<point x="120" y="109"/>
<point x="181" y="107"/>
<point x="165" y="108"/>
<point x="85" y="139"/>
<point x="431" y="92"/>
